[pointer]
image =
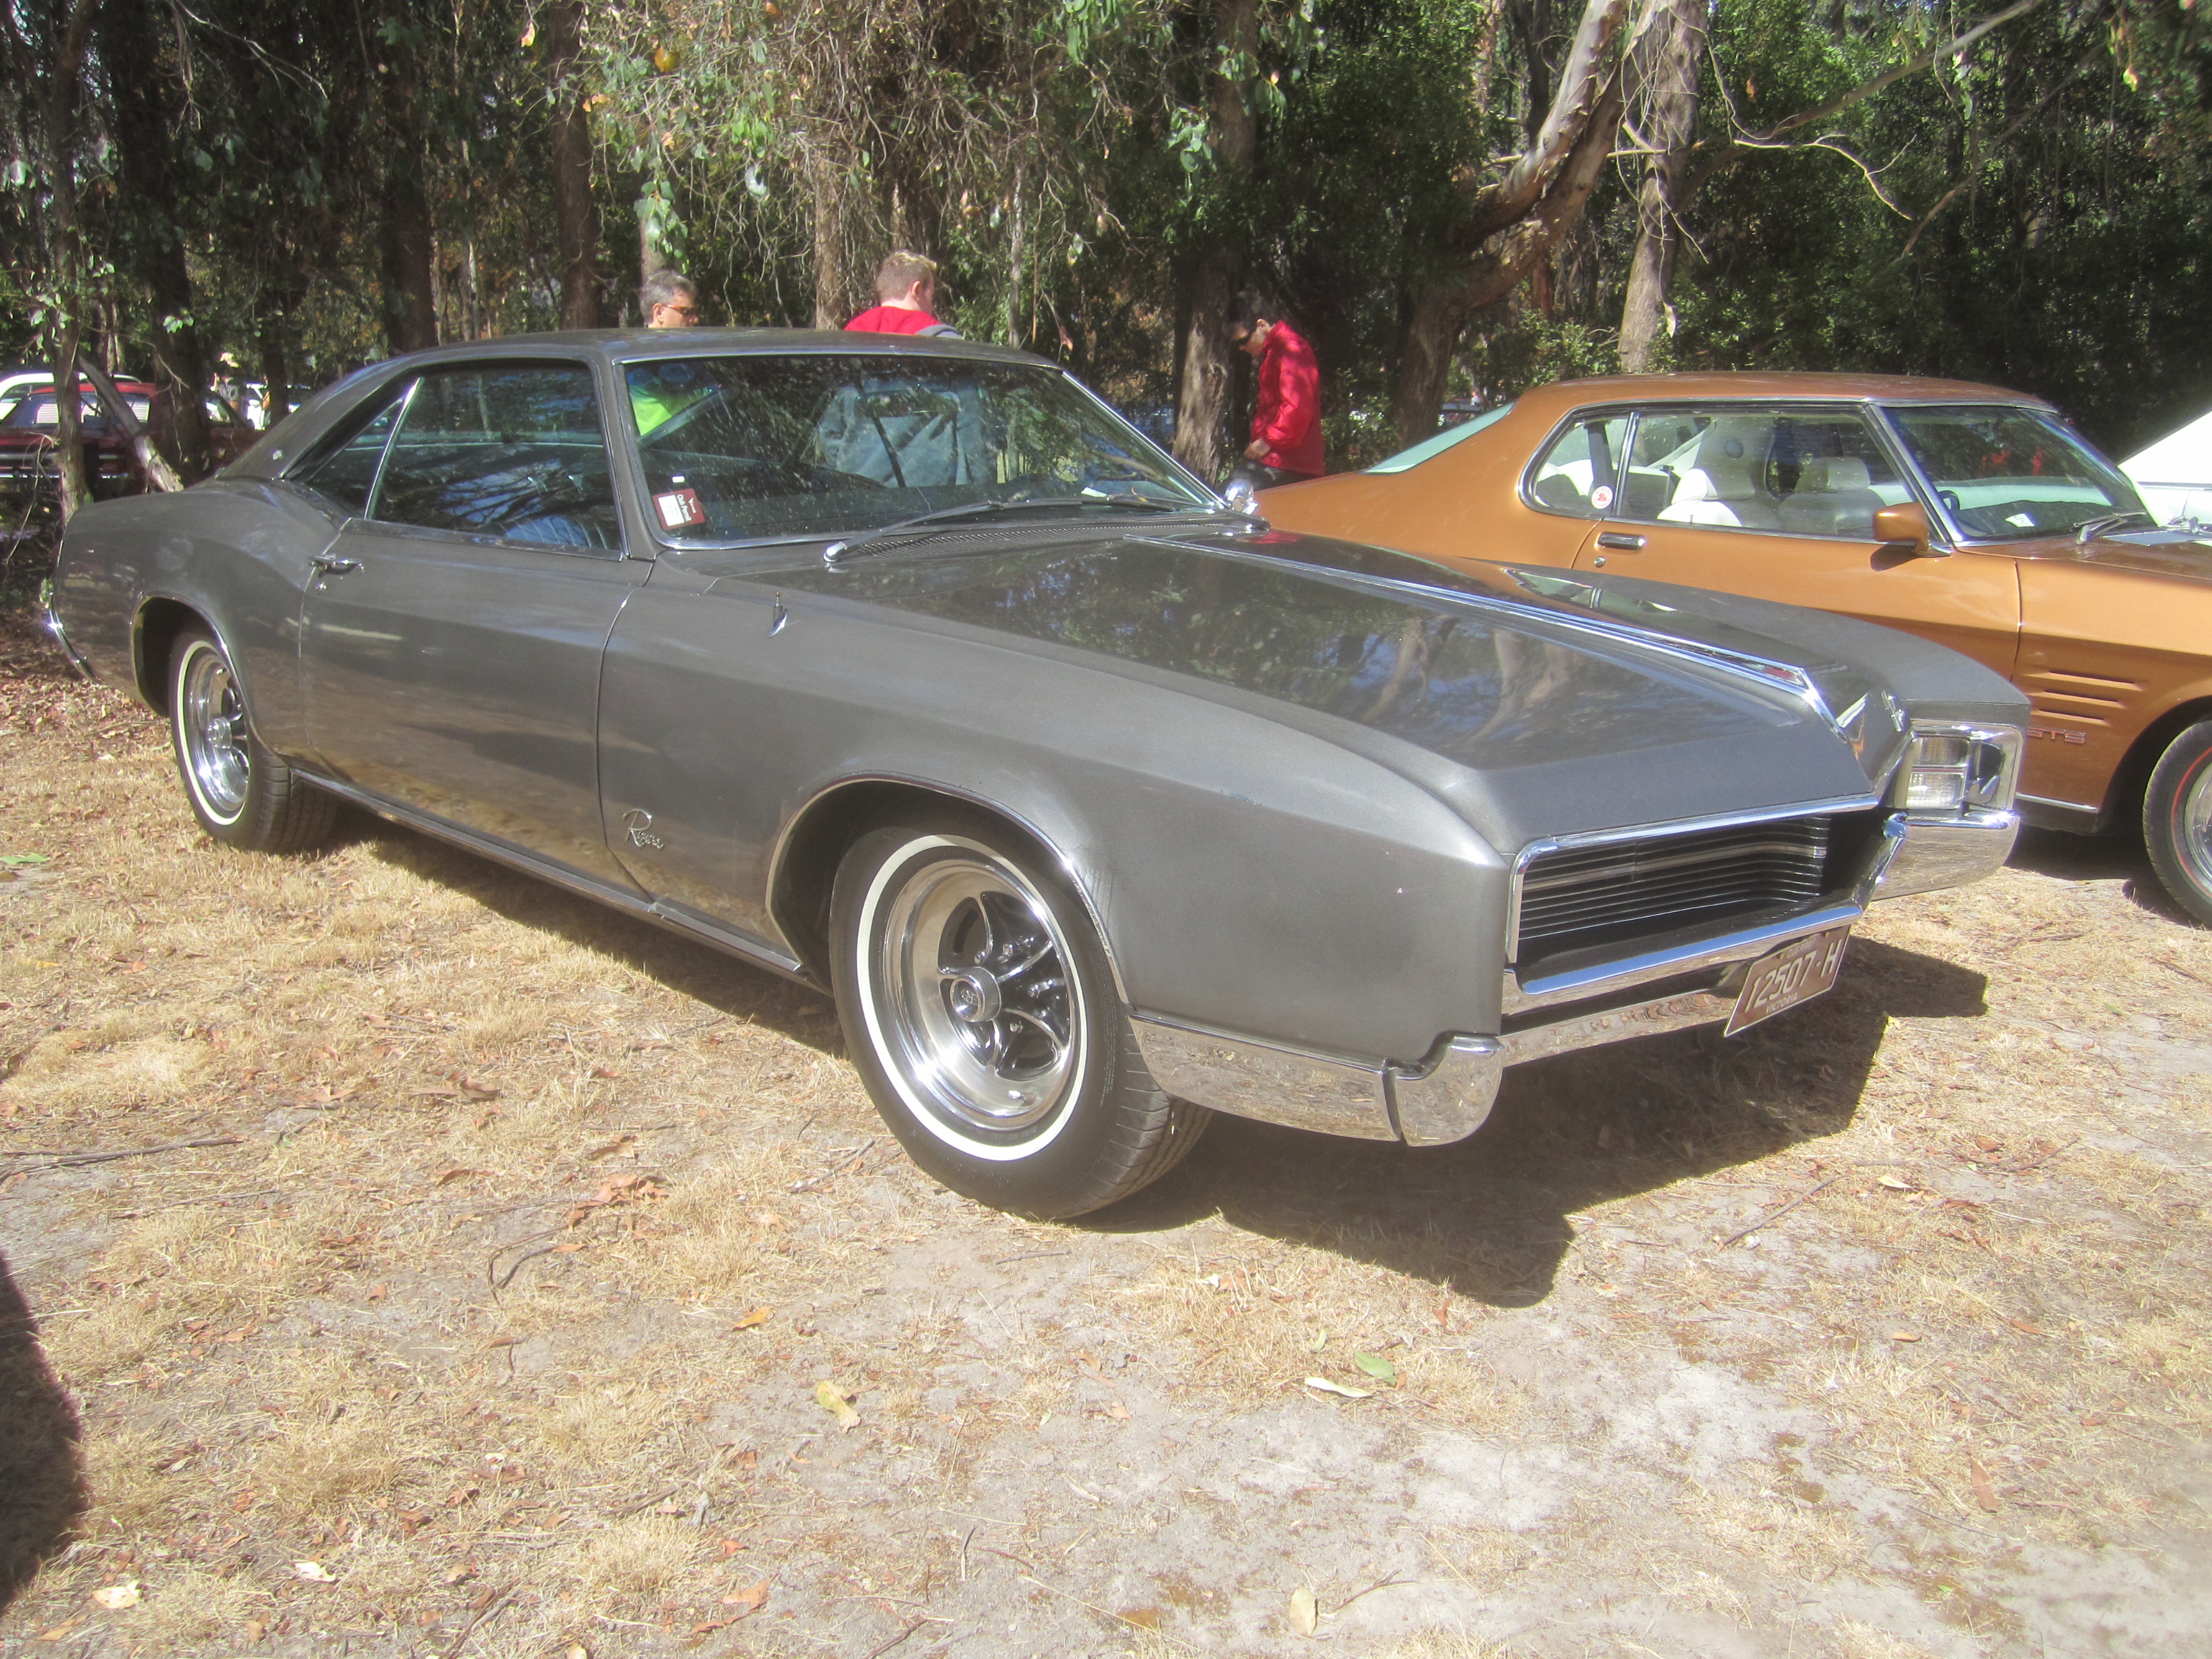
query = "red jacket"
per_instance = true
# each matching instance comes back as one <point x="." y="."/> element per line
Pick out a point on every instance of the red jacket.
<point x="891" y="320"/>
<point x="1289" y="412"/>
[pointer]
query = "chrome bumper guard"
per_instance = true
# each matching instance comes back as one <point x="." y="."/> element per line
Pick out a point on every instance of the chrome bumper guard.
<point x="1447" y="1094"/>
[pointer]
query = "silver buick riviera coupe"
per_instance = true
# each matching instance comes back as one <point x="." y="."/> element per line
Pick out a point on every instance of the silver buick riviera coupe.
<point x="908" y="669"/>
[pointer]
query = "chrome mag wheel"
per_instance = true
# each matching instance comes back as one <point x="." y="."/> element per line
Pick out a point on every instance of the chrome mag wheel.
<point x="981" y="1020"/>
<point x="2178" y="820"/>
<point x="211" y="733"/>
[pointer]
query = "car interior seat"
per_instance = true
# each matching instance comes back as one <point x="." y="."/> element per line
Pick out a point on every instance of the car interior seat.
<point x="1834" y="497"/>
<point x="1723" y="487"/>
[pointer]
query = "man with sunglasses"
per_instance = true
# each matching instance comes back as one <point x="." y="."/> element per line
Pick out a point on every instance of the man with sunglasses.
<point x="668" y="299"/>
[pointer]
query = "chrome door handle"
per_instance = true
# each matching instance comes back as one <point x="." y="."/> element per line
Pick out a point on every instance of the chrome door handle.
<point x="324" y="565"/>
<point x="1615" y="538"/>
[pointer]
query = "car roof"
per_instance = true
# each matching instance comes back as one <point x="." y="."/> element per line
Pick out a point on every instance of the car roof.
<point x="630" y="344"/>
<point x="1766" y="384"/>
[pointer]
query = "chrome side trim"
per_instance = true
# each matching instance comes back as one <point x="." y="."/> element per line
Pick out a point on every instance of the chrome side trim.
<point x="1743" y="945"/>
<point x="997" y="809"/>
<point x="1948" y="852"/>
<point x="1536" y="849"/>
<point x="61" y="634"/>
<point x="1449" y="1096"/>
<point x="1250" y="1077"/>
<point x="760" y="953"/>
<point x="2042" y="813"/>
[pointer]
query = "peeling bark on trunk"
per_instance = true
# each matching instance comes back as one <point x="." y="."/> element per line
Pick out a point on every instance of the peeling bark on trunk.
<point x="576" y="217"/>
<point x="1663" y="109"/>
<point x="1202" y="441"/>
<point x="1512" y="223"/>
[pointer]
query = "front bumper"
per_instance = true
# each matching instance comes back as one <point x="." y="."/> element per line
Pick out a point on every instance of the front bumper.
<point x="1447" y="1095"/>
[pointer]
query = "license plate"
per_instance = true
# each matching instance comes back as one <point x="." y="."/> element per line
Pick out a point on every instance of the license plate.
<point x="1782" y="979"/>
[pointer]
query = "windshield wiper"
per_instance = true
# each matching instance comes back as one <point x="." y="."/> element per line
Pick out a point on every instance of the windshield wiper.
<point x="2092" y="528"/>
<point x="838" y="552"/>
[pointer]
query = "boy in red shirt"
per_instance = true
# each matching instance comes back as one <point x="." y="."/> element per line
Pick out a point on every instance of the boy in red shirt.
<point x="1287" y="441"/>
<point x="906" y="283"/>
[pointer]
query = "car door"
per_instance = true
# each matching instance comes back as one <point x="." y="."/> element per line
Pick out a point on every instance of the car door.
<point x="451" y="641"/>
<point x="1777" y="501"/>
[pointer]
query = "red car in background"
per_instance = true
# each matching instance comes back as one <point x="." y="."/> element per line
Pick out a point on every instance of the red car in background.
<point x="30" y="468"/>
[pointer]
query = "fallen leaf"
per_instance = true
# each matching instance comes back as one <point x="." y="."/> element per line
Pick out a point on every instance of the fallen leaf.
<point x="255" y="1630"/>
<point x="1118" y="1411"/>
<point x="757" y="1316"/>
<point x="116" y="1597"/>
<point x="1984" y="1493"/>
<point x="1904" y="1336"/>
<point x="378" y="1292"/>
<point x="62" y="1633"/>
<point x="621" y="1146"/>
<point x="754" y="1597"/>
<point x="475" y="1090"/>
<point x="601" y="1070"/>
<point x="839" y="1404"/>
<point x="446" y="1177"/>
<point x="499" y="1342"/>
<point x="314" y="1572"/>
<point x="2023" y="1325"/>
<point x="1328" y="1386"/>
<point x="1898" y="1186"/>
<point x="1142" y="1618"/>
<point x="434" y="1094"/>
<point x="1303" y="1616"/>
<point x="1375" y="1366"/>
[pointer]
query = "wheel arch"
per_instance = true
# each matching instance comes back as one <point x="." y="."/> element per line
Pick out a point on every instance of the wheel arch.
<point x="803" y="870"/>
<point x="2123" y="797"/>
<point x="154" y="634"/>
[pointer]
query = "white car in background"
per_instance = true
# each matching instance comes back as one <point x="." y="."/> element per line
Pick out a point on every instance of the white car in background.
<point x="2174" y="475"/>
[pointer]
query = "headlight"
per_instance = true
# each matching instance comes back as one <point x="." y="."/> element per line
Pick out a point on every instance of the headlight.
<point x="1949" y="768"/>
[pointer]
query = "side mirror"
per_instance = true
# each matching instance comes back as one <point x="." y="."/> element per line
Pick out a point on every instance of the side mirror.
<point x="1904" y="530"/>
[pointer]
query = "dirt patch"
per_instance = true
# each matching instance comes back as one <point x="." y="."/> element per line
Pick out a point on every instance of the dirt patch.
<point x="494" y="1274"/>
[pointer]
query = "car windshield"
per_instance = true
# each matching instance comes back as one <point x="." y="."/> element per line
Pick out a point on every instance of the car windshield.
<point x="1443" y="440"/>
<point x="750" y="447"/>
<point x="2005" y="473"/>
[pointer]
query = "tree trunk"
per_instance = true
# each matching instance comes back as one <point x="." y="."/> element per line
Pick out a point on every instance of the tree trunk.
<point x="1663" y="99"/>
<point x="1434" y="322"/>
<point x="159" y="474"/>
<point x="1202" y="441"/>
<point x="276" y="372"/>
<point x="404" y="233"/>
<point x="147" y="116"/>
<point x="826" y="180"/>
<point x="1208" y="367"/>
<point x="575" y="216"/>
<point x="69" y="440"/>
<point x="1513" y="223"/>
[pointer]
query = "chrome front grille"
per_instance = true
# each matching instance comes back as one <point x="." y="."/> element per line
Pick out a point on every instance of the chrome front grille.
<point x="1622" y="893"/>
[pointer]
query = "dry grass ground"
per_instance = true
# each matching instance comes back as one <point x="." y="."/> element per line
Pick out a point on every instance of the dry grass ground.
<point x="483" y="1257"/>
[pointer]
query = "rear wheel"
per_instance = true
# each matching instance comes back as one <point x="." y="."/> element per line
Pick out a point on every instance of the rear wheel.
<point x="242" y="794"/>
<point x="2178" y="820"/>
<point x="979" y="1008"/>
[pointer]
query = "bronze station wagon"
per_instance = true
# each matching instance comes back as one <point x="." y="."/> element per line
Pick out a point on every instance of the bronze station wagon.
<point x="1969" y="515"/>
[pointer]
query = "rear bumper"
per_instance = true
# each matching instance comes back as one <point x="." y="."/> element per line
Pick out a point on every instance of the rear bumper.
<point x="1448" y="1093"/>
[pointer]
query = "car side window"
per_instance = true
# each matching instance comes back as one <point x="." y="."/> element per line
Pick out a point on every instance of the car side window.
<point x="1576" y="474"/>
<point x="347" y="472"/>
<point x="1801" y="472"/>
<point x="513" y="450"/>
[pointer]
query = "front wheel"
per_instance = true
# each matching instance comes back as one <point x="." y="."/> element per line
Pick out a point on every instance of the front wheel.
<point x="2178" y="820"/>
<point x="979" y="1010"/>
<point x="243" y="795"/>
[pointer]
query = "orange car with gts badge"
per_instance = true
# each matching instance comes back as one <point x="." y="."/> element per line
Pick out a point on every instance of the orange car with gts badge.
<point x="1966" y="514"/>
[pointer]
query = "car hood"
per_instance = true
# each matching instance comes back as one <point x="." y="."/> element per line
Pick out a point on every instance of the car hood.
<point x="1556" y="683"/>
<point x="2185" y="554"/>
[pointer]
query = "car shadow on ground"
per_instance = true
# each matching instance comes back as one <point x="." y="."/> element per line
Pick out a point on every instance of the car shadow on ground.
<point x="699" y="972"/>
<point x="2118" y="857"/>
<point x="1489" y="1217"/>
<point x="42" y="1488"/>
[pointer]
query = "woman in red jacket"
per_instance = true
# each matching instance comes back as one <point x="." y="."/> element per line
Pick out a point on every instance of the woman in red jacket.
<point x="1286" y="444"/>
